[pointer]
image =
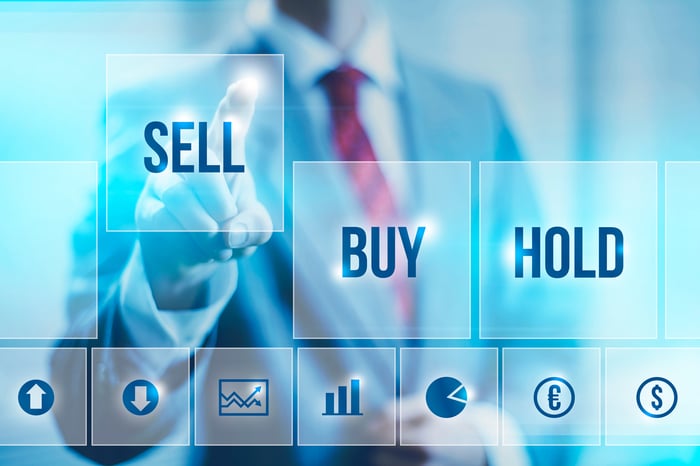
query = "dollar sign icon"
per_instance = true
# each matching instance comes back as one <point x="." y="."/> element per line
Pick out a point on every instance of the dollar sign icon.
<point x="658" y="402"/>
<point x="657" y="397"/>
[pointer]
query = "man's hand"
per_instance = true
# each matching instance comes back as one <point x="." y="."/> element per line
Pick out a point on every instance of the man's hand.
<point x="204" y="219"/>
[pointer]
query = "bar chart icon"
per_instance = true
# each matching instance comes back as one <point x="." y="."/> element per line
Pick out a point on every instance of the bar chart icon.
<point x="343" y="400"/>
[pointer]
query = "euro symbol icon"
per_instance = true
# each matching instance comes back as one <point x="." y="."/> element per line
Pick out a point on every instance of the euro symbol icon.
<point x="553" y="397"/>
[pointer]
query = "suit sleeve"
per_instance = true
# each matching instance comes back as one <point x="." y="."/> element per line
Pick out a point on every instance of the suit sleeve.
<point x="109" y="370"/>
<point x="66" y="371"/>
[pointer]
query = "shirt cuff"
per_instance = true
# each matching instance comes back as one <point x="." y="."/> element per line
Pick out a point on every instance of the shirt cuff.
<point x="148" y="326"/>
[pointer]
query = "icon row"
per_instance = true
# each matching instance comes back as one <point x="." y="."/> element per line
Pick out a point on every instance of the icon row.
<point x="347" y="396"/>
<point x="446" y="397"/>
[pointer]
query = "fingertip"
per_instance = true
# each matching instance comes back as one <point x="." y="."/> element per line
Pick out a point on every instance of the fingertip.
<point x="249" y="88"/>
<point x="245" y="90"/>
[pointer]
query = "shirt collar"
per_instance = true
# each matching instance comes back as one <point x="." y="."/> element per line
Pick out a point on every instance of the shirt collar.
<point x="308" y="56"/>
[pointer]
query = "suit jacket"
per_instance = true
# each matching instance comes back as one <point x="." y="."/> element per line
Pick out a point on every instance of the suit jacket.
<point x="444" y="119"/>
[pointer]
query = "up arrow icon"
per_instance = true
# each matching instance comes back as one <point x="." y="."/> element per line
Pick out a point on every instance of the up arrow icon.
<point x="36" y="397"/>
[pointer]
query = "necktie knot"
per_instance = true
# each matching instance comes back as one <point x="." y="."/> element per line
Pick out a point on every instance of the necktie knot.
<point x="341" y="85"/>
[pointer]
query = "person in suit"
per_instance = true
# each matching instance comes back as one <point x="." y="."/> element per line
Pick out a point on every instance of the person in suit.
<point x="344" y="80"/>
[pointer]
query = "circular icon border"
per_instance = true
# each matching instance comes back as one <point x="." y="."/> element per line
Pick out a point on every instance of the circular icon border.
<point x="127" y="391"/>
<point x="44" y="386"/>
<point x="657" y="379"/>
<point x="568" y="408"/>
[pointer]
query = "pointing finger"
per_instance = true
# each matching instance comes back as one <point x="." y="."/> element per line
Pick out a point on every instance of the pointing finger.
<point x="236" y="108"/>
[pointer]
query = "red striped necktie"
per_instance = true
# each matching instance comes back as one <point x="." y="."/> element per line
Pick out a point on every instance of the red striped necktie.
<point x="352" y="145"/>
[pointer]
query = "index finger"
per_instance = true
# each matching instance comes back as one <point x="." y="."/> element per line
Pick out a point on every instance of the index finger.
<point x="235" y="111"/>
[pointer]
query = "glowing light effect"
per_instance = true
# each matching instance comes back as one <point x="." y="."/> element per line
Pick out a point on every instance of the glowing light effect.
<point x="432" y="228"/>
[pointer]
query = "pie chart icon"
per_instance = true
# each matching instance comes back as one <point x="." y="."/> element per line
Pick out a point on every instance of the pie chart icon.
<point x="446" y="397"/>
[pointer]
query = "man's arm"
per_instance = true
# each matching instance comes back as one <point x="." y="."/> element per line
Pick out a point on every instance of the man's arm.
<point x="162" y="289"/>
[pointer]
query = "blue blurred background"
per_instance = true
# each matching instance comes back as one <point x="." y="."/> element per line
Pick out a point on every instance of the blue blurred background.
<point x="579" y="80"/>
